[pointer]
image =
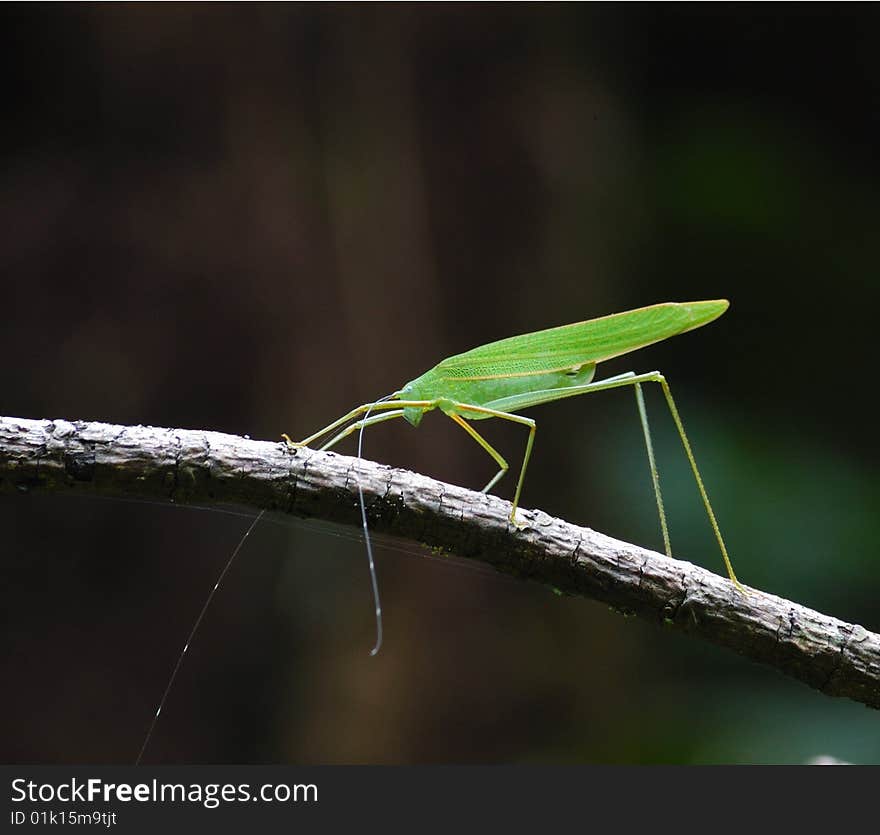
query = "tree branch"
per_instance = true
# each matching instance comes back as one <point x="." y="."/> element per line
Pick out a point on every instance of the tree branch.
<point x="184" y="466"/>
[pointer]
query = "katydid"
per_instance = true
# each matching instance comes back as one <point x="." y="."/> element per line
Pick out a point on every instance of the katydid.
<point x="500" y="379"/>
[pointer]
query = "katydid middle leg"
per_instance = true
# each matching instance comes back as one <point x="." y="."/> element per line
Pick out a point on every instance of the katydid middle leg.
<point x="525" y="421"/>
<point x="496" y="456"/>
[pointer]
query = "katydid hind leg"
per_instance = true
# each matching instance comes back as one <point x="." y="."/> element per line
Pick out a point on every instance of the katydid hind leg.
<point x="527" y="399"/>
<point x="667" y="392"/>
<point x="657" y="377"/>
<point x="652" y="463"/>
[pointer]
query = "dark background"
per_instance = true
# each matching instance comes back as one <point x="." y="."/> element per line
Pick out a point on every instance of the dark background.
<point x="251" y="219"/>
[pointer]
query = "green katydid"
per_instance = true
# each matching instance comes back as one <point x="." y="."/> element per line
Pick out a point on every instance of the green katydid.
<point x="500" y="379"/>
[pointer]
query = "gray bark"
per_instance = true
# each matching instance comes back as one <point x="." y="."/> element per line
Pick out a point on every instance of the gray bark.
<point x="186" y="466"/>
